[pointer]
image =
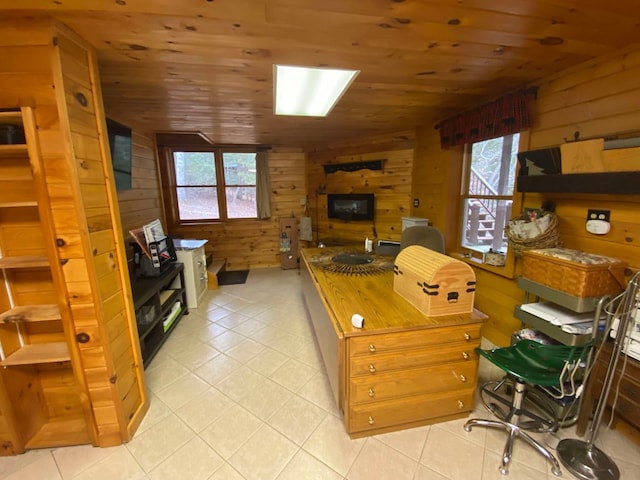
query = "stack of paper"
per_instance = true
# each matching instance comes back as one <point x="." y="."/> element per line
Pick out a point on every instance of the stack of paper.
<point x="568" y="320"/>
<point x="555" y="314"/>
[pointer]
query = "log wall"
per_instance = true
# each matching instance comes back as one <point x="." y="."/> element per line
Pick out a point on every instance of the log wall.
<point x="391" y="187"/>
<point x="598" y="98"/>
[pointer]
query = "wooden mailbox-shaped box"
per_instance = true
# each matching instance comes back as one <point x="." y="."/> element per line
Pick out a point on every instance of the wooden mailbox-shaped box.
<point x="434" y="283"/>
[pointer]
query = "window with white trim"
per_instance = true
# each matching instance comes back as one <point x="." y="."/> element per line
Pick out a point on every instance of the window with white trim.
<point x="487" y="194"/>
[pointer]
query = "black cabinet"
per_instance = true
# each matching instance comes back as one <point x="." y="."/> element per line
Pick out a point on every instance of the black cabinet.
<point x="160" y="302"/>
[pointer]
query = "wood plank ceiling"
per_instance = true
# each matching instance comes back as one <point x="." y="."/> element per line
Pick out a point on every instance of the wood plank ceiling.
<point x="206" y="65"/>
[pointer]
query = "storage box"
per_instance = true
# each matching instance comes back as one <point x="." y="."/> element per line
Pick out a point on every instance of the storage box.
<point x="574" y="272"/>
<point x="434" y="283"/>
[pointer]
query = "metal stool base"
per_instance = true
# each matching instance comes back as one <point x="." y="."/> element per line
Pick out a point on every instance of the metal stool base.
<point x="534" y="414"/>
<point x="586" y="461"/>
<point x="512" y="425"/>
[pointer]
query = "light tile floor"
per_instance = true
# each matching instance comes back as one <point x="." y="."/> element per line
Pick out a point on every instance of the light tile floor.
<point x="238" y="391"/>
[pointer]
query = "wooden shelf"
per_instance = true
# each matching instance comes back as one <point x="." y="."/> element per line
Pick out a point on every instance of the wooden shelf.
<point x="24" y="262"/>
<point x="60" y="432"/>
<point x="39" y="353"/>
<point x="613" y="183"/>
<point x="31" y="313"/>
<point x="18" y="204"/>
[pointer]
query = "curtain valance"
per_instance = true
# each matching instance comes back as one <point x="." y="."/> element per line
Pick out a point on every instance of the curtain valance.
<point x="504" y="116"/>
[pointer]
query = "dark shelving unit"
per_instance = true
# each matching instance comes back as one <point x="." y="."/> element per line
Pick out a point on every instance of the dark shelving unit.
<point x="153" y="299"/>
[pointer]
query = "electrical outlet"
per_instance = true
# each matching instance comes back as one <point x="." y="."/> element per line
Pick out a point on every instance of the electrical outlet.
<point x="416" y="202"/>
<point x="598" y="215"/>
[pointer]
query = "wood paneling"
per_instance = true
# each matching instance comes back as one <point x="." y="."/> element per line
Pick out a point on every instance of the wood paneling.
<point x="207" y="66"/>
<point x="598" y="98"/>
<point x="142" y="203"/>
<point x="251" y="243"/>
<point x="391" y="187"/>
<point x="66" y="112"/>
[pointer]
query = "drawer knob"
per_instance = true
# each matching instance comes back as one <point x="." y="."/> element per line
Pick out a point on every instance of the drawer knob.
<point x="463" y="378"/>
<point x="372" y="347"/>
<point x="467" y="337"/>
<point x="372" y="368"/>
<point x="460" y="404"/>
<point x="465" y="355"/>
<point x="371" y="420"/>
<point x="372" y="393"/>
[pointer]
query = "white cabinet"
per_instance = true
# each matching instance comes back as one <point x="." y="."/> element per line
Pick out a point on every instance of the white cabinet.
<point x="191" y="253"/>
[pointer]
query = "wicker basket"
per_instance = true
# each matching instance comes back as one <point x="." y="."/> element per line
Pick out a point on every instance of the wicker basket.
<point x="549" y="238"/>
<point x="606" y="277"/>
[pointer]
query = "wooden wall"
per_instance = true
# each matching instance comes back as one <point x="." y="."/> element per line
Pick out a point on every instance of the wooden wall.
<point x="391" y="186"/>
<point x="142" y="203"/>
<point x="597" y="98"/>
<point x="248" y="243"/>
<point x="83" y="234"/>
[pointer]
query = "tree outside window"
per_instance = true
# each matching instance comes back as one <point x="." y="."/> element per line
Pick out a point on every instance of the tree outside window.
<point x="240" y="184"/>
<point x="214" y="185"/>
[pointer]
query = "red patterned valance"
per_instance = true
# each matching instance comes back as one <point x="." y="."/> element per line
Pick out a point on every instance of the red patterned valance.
<point x="504" y="116"/>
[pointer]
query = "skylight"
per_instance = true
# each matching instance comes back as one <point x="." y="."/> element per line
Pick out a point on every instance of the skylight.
<point x="311" y="92"/>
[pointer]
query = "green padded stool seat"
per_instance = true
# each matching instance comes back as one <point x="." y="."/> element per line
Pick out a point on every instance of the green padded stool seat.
<point x="534" y="362"/>
<point x="530" y="363"/>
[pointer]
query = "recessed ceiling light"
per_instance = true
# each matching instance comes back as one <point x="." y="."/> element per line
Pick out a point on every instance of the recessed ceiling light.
<point x="310" y="92"/>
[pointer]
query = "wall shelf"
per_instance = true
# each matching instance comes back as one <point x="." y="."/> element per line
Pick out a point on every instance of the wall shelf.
<point x="615" y="183"/>
<point x="38" y="353"/>
<point x="353" y="166"/>
<point x="31" y="313"/>
<point x="24" y="262"/>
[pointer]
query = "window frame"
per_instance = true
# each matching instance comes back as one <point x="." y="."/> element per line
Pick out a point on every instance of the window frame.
<point x="170" y="187"/>
<point x="467" y="254"/>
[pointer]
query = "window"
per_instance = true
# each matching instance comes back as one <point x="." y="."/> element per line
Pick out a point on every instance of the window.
<point x="487" y="194"/>
<point x="214" y="185"/>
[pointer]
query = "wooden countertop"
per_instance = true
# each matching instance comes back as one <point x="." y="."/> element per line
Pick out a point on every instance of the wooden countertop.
<point x="371" y="296"/>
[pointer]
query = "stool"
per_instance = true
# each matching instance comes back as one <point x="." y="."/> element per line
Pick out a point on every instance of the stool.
<point x="530" y="362"/>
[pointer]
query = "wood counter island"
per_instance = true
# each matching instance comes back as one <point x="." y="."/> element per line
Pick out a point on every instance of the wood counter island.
<point x="402" y="369"/>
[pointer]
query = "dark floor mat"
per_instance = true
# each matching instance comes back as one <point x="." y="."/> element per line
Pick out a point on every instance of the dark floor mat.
<point x="236" y="277"/>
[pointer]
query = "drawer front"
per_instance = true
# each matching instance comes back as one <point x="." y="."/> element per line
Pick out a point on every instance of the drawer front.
<point x="409" y="409"/>
<point x="372" y="344"/>
<point x="388" y="362"/>
<point x="628" y="401"/>
<point x="416" y="381"/>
